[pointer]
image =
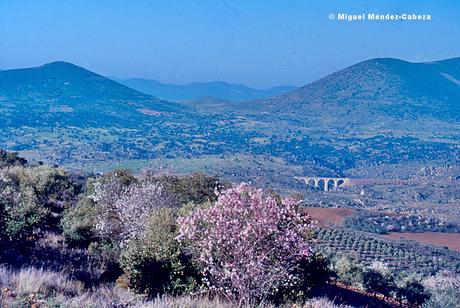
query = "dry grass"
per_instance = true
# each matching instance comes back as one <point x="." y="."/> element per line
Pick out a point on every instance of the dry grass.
<point x="186" y="301"/>
<point x="31" y="287"/>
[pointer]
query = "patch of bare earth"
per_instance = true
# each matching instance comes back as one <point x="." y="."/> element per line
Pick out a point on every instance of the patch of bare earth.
<point x="449" y="240"/>
<point x="329" y="216"/>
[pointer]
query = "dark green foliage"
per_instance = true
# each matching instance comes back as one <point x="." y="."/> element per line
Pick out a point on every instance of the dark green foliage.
<point x="78" y="222"/>
<point x="156" y="264"/>
<point x="313" y="273"/>
<point x="196" y="187"/>
<point x="125" y="177"/>
<point x="32" y="200"/>
<point x="11" y="159"/>
<point x="372" y="281"/>
<point x="348" y="271"/>
<point x="414" y="292"/>
<point x="411" y="290"/>
<point x="376" y="282"/>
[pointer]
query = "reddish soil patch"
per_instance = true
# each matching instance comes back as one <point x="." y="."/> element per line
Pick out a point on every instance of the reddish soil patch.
<point x="450" y="240"/>
<point x="329" y="216"/>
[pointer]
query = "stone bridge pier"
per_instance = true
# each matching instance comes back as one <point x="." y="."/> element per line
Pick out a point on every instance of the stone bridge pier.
<point x="327" y="183"/>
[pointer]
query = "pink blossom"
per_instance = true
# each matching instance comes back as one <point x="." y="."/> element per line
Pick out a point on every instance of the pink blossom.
<point x="247" y="243"/>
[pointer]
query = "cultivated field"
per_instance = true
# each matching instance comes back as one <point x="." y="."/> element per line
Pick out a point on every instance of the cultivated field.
<point x="329" y="216"/>
<point x="450" y="240"/>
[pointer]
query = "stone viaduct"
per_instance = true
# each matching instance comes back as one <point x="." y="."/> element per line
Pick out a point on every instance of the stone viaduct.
<point x="325" y="182"/>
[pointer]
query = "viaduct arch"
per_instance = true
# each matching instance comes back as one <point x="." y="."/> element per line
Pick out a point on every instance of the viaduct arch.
<point x="325" y="181"/>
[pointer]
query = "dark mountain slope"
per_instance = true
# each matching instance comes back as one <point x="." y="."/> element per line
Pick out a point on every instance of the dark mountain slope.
<point x="378" y="89"/>
<point x="63" y="93"/>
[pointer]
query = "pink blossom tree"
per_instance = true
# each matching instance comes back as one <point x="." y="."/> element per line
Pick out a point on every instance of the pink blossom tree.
<point x="247" y="244"/>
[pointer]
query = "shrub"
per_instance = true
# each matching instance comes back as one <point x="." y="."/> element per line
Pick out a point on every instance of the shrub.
<point x="124" y="218"/>
<point x="196" y="187"/>
<point x="8" y="159"/>
<point x="373" y="281"/>
<point x="155" y="263"/>
<point x="444" y="297"/>
<point x="113" y="212"/>
<point x="312" y="273"/>
<point x="248" y="245"/>
<point x="32" y="199"/>
<point x="444" y="290"/>
<point x="348" y="271"/>
<point x="378" y="278"/>
<point x="415" y="293"/>
<point x="79" y="222"/>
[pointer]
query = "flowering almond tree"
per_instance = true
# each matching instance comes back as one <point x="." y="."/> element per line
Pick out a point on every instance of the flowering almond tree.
<point x="124" y="211"/>
<point x="247" y="244"/>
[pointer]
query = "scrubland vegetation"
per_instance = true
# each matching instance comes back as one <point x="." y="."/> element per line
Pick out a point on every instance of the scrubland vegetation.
<point x="159" y="240"/>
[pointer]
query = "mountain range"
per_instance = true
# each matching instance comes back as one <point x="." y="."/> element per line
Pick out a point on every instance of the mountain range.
<point x="377" y="112"/>
<point x="196" y="90"/>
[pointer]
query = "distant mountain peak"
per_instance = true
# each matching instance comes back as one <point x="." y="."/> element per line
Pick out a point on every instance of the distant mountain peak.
<point x="66" y="68"/>
<point x="60" y="63"/>
<point x="192" y="91"/>
<point x="77" y="81"/>
<point x="388" y="60"/>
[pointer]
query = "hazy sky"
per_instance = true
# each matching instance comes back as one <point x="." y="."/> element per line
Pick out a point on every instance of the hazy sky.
<point x="256" y="42"/>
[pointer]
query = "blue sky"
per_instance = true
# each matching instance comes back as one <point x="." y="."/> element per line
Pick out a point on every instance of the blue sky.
<point x="258" y="43"/>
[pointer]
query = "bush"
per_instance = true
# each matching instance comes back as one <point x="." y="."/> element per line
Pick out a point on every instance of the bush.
<point x="312" y="273"/>
<point x="32" y="200"/>
<point x="348" y="271"/>
<point x="79" y="222"/>
<point x="114" y="218"/>
<point x="415" y="293"/>
<point x="444" y="297"/>
<point x="155" y="263"/>
<point x="8" y="159"/>
<point x="125" y="218"/>
<point x="248" y="245"/>
<point x="444" y="290"/>
<point x="196" y="187"/>
<point x="372" y="281"/>
<point x="378" y="278"/>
